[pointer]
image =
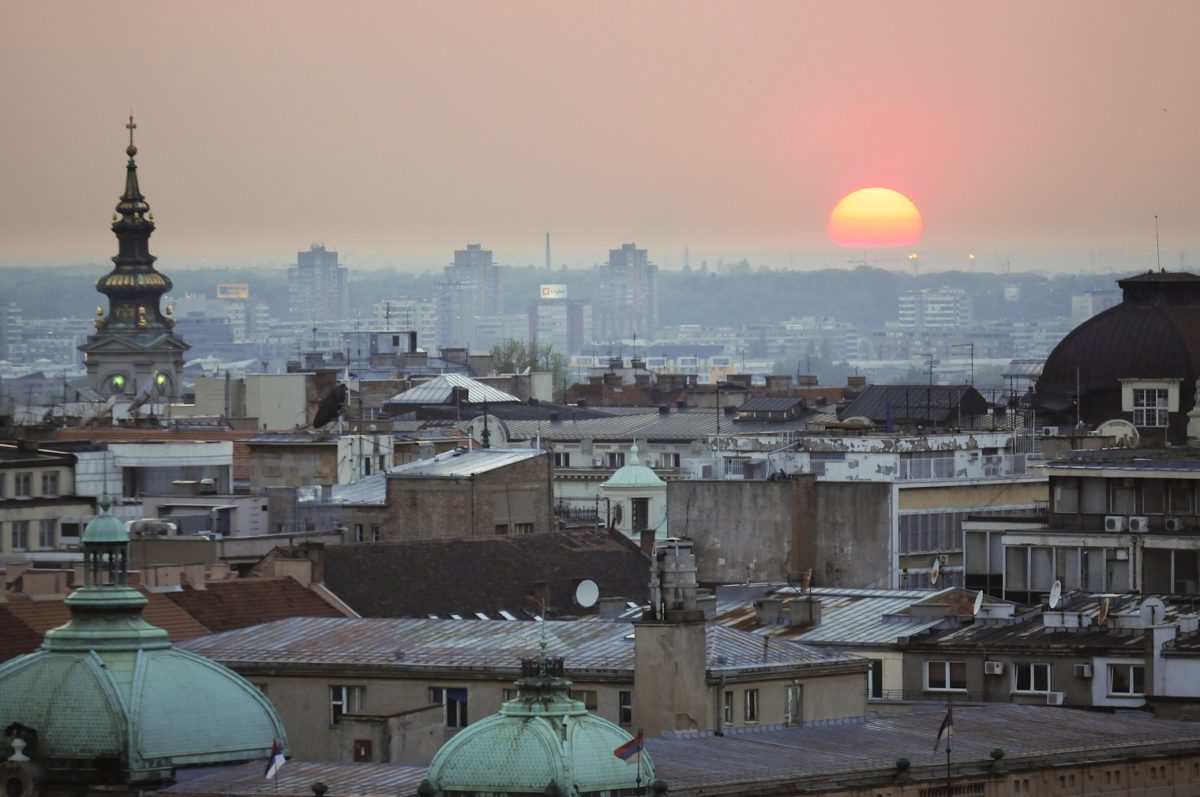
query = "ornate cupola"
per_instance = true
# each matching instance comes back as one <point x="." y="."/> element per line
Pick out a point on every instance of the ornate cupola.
<point x="135" y="350"/>
<point x="109" y="701"/>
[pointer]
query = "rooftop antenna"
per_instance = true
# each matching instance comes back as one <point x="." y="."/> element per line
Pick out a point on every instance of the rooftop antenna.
<point x="1157" y="251"/>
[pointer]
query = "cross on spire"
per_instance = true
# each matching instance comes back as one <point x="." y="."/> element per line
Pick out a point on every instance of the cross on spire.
<point x="131" y="127"/>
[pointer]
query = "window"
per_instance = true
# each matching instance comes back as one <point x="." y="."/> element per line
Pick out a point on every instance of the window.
<point x="728" y="708"/>
<point x="358" y="532"/>
<point x="875" y="679"/>
<point x="562" y="459"/>
<point x="1066" y="496"/>
<point x="793" y="706"/>
<point x="523" y="528"/>
<point x="511" y="694"/>
<point x="1126" y="679"/>
<point x="751" y="706"/>
<point x="46" y="534"/>
<point x="1180" y="496"/>
<point x="1153" y="497"/>
<point x="588" y="696"/>
<point x="1028" y="677"/>
<point x="455" y="702"/>
<point x="945" y="675"/>
<point x="625" y="708"/>
<point x="50" y="483"/>
<point x="376" y="534"/>
<point x="3" y="478"/>
<point x="1150" y="406"/>
<point x="1121" y="499"/>
<point x="362" y="750"/>
<point x="669" y="460"/>
<point x="344" y="700"/>
<point x="501" y="529"/>
<point x="20" y="535"/>
<point x="614" y="459"/>
<point x="23" y="485"/>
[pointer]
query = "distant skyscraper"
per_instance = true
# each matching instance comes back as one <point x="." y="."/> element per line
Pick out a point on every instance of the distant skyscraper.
<point x="556" y="321"/>
<point x="470" y="290"/>
<point x="1086" y="305"/>
<point x="317" y="286"/>
<point x="134" y="351"/>
<point x="944" y="308"/>
<point x="628" y="301"/>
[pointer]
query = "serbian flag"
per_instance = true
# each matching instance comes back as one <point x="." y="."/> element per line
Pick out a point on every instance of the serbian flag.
<point x="946" y="730"/>
<point x="275" y="761"/>
<point x="631" y="751"/>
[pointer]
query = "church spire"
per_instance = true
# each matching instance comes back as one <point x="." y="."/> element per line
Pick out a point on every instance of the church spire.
<point x="134" y="288"/>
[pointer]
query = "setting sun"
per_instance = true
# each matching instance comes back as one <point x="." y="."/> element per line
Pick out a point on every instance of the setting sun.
<point x="875" y="217"/>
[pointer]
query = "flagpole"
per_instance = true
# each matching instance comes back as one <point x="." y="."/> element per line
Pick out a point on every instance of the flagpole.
<point x="949" y="736"/>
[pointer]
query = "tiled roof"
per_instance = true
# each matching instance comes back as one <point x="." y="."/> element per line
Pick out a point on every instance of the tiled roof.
<point x="241" y="602"/>
<point x="485" y="575"/>
<point x="494" y="646"/>
<point x="16" y="637"/>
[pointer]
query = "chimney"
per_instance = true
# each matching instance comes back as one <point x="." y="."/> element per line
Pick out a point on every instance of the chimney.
<point x="808" y="380"/>
<point x="767" y="611"/>
<point x="856" y="382"/>
<point x="804" y="612"/>
<point x="647" y="541"/>
<point x="610" y="608"/>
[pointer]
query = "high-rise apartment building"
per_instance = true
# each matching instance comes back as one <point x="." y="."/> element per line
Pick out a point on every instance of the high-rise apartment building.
<point x="556" y="321"/>
<point x="628" y="301"/>
<point x="470" y="290"/>
<point x="941" y="308"/>
<point x="317" y="289"/>
<point x="409" y="315"/>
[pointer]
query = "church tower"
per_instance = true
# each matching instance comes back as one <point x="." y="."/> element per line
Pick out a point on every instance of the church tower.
<point x="134" y="352"/>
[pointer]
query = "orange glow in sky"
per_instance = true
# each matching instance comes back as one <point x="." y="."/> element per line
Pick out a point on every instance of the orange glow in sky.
<point x="875" y="217"/>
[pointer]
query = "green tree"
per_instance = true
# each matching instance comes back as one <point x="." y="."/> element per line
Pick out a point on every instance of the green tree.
<point x="514" y="356"/>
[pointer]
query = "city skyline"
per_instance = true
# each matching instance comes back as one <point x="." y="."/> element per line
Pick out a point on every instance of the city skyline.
<point x="397" y="134"/>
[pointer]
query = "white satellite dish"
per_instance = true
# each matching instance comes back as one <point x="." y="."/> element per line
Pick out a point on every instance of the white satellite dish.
<point x="1055" y="594"/>
<point x="587" y="593"/>
<point x="978" y="603"/>
<point x="935" y="570"/>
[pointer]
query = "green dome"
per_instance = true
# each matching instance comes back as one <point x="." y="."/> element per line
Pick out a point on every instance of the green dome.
<point x="112" y="701"/>
<point x="542" y="736"/>
<point x="149" y="710"/>
<point x="104" y="528"/>
<point x="634" y="476"/>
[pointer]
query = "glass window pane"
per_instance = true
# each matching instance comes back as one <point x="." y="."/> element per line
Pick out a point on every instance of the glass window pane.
<point x="958" y="675"/>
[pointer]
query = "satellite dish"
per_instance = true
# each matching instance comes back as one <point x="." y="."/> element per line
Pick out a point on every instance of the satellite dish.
<point x="1152" y="611"/>
<point x="1055" y="594"/>
<point x="1124" y="433"/>
<point x="978" y="603"/>
<point x="935" y="570"/>
<point x="587" y="593"/>
<point x="1102" y="615"/>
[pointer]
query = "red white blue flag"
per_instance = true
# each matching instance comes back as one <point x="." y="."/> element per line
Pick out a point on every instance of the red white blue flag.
<point x="631" y="751"/>
<point x="275" y="761"/>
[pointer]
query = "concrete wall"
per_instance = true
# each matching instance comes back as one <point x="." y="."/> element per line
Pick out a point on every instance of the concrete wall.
<point x="302" y="464"/>
<point x="670" y="693"/>
<point x="763" y="530"/>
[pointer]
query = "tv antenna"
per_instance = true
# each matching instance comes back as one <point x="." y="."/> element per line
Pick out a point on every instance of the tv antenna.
<point x="587" y="593"/>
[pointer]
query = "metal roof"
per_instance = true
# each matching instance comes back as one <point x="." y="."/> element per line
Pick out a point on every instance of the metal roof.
<point x="682" y="425"/>
<point x="461" y="463"/>
<point x="770" y="404"/>
<point x="490" y="645"/>
<point x="849" y="617"/>
<point x="698" y="764"/>
<point x="439" y="390"/>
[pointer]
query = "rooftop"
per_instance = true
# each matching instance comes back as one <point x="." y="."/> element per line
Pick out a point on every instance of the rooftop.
<point x="440" y="390"/>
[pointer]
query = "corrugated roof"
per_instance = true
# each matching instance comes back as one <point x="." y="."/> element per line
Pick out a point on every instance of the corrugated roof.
<point x="439" y="390"/>
<point x="770" y="404"/>
<point x="460" y="464"/>
<point x="765" y="761"/>
<point x="491" y="645"/>
<point x="922" y="403"/>
<point x="687" y="425"/>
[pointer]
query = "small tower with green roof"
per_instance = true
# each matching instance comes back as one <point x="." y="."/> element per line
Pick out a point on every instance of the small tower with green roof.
<point x="638" y="498"/>
<point x="107" y="701"/>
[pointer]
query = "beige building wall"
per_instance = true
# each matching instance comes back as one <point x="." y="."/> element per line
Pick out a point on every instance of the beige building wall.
<point x="972" y="494"/>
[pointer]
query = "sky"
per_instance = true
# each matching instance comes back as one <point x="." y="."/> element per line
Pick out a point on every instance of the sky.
<point x="396" y="132"/>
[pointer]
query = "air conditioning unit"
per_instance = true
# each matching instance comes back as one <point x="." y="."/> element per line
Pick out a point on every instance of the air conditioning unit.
<point x="993" y="668"/>
<point x="1054" y="698"/>
<point x="1083" y="671"/>
<point x="1114" y="522"/>
<point x="597" y="461"/>
<point x="1049" y="431"/>
<point x="1173" y="524"/>
<point x="1139" y="524"/>
<point x="651" y="463"/>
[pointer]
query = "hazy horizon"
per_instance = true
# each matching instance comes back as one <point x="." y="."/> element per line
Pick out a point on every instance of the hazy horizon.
<point x="1046" y="136"/>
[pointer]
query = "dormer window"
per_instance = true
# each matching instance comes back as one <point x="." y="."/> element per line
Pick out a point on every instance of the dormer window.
<point x="1150" y="401"/>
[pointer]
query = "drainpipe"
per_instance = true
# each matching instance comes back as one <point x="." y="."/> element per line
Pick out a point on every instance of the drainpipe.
<point x="720" y="731"/>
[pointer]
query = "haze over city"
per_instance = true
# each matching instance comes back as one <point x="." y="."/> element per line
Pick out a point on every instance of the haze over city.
<point x="1045" y="135"/>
